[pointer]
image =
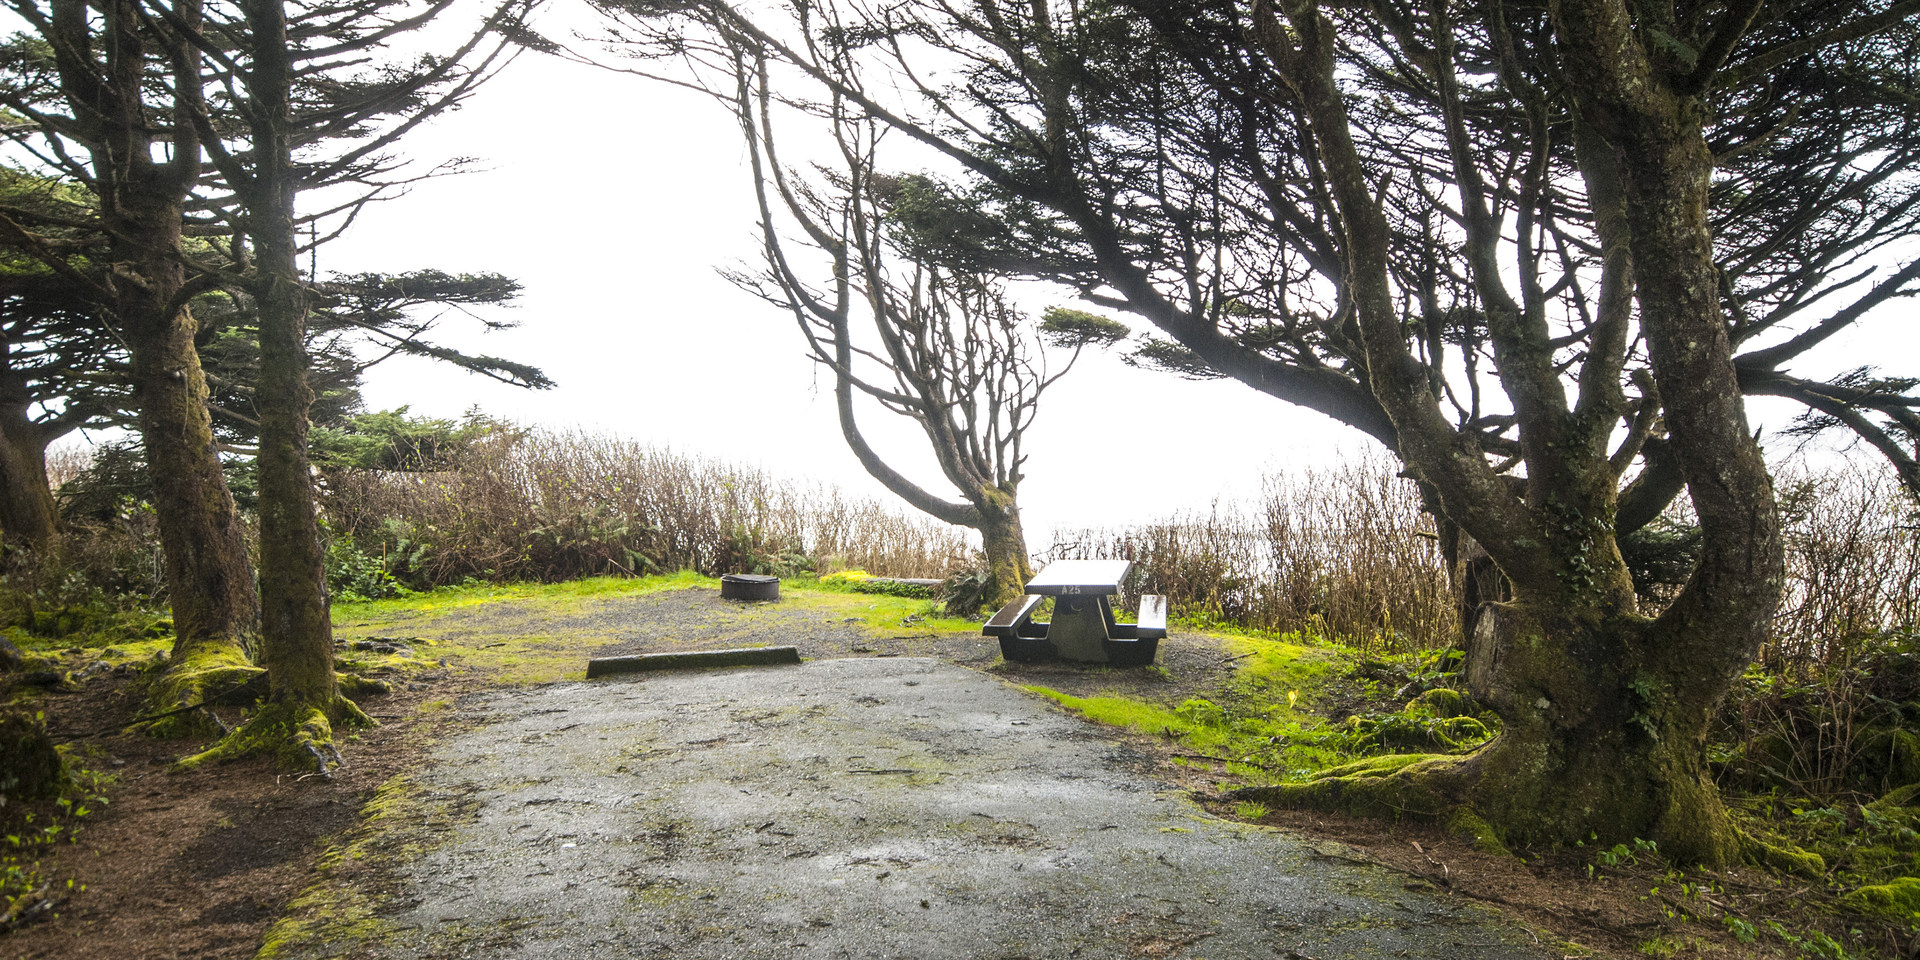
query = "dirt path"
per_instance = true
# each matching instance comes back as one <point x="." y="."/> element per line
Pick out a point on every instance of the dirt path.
<point x="880" y="807"/>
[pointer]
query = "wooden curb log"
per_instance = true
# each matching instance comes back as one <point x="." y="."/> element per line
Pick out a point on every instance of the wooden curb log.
<point x="693" y="660"/>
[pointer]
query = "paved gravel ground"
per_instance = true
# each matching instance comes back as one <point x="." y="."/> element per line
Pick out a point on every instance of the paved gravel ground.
<point x="861" y="808"/>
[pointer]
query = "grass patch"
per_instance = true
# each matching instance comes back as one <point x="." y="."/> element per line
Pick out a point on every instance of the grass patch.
<point x="521" y="633"/>
<point x="1291" y="710"/>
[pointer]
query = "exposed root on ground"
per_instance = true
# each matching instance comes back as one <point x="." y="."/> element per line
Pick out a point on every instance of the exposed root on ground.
<point x="298" y="735"/>
<point x="1434" y="788"/>
<point x="208" y="675"/>
<point x="1781" y="857"/>
<point x="1457" y="793"/>
<point x="1418" y="786"/>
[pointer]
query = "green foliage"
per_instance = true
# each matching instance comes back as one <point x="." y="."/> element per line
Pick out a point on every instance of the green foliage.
<point x="1167" y="356"/>
<point x="394" y="440"/>
<point x="355" y="576"/>
<point x="860" y="581"/>
<point x="1828" y="729"/>
<point x="93" y="582"/>
<point x="1201" y="713"/>
<point x="1660" y="556"/>
<point x="964" y="592"/>
<point x="32" y="832"/>
<point x="1620" y="853"/>
<point x="1067" y="327"/>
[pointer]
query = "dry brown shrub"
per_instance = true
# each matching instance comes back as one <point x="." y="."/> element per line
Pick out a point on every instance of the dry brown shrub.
<point x="1853" y="565"/>
<point x="1343" y="553"/>
<point x="543" y="505"/>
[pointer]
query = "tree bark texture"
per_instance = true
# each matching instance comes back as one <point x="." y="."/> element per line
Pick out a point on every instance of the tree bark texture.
<point x="296" y="632"/>
<point x="27" y="513"/>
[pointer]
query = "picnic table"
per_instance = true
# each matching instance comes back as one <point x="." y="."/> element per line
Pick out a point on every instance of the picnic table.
<point x="1082" y="628"/>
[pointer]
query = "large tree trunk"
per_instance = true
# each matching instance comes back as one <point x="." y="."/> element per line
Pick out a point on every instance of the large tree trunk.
<point x="304" y="700"/>
<point x="142" y="204"/>
<point x="1008" y="564"/>
<point x="27" y="513"/>
<point x="1598" y="737"/>
<point x="1604" y="713"/>
<point x="208" y="577"/>
<point x="296" y="632"/>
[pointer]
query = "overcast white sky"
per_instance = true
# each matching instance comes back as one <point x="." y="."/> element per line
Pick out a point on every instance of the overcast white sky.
<point x="613" y="201"/>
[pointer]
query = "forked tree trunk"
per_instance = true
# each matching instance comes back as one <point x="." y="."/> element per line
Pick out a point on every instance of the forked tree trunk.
<point x="1604" y="712"/>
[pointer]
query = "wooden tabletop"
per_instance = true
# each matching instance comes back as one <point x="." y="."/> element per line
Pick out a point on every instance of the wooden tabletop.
<point x="1065" y="578"/>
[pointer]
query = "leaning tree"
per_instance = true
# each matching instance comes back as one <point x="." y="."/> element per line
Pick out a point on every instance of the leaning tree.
<point x="884" y="306"/>
<point x="1538" y="250"/>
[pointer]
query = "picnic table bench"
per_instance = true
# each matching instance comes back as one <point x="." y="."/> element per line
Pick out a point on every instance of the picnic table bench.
<point x="1083" y="627"/>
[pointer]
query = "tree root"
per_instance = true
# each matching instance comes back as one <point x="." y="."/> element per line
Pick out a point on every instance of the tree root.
<point x="210" y="674"/>
<point x="1418" y="786"/>
<point x="1785" y="858"/>
<point x="1401" y="785"/>
<point x="298" y="735"/>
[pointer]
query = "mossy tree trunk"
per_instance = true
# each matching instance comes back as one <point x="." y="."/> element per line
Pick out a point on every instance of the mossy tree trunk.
<point x="304" y="700"/>
<point x="27" y="513"/>
<point x="1605" y="712"/>
<point x="106" y="67"/>
<point x="1009" y="565"/>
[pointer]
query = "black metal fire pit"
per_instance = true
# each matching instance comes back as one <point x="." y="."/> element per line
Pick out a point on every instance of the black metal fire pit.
<point x="749" y="586"/>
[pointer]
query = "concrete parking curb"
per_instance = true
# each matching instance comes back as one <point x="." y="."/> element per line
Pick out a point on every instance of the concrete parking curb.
<point x="693" y="660"/>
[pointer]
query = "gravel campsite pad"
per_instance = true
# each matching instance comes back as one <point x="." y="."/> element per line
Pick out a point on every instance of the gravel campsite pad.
<point x="862" y="807"/>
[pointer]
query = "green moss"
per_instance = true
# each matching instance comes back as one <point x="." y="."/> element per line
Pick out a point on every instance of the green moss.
<point x="1278" y="676"/>
<point x="1782" y="857"/>
<point x="208" y="673"/>
<point x="341" y="910"/>
<point x="354" y="687"/>
<point x="1410" y="731"/>
<point x="1409" y="785"/>
<point x="30" y="767"/>
<point x="1439" y="702"/>
<point x="1379" y="766"/>
<point x="1123" y="712"/>
<point x="1899" y="900"/>
<point x="299" y="736"/>
<point x="1899" y="797"/>
<point x="1469" y="826"/>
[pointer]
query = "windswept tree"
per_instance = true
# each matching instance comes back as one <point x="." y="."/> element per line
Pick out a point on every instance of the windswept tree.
<point x="108" y="96"/>
<point x="899" y="325"/>
<point x="208" y="120"/>
<point x="1539" y="251"/>
<point x="315" y="107"/>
